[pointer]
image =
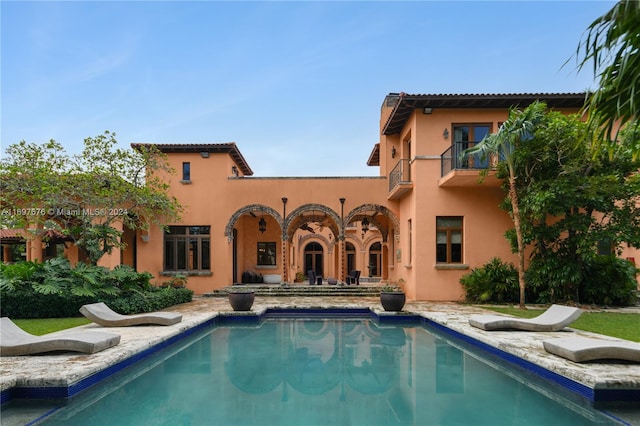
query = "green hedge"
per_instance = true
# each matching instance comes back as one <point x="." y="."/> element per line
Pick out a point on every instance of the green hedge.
<point x="55" y="289"/>
<point x="24" y="304"/>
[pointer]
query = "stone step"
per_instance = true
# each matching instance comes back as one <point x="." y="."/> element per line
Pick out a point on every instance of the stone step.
<point x="302" y="290"/>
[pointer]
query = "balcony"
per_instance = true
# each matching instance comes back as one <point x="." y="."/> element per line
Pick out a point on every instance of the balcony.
<point x="400" y="180"/>
<point x="465" y="171"/>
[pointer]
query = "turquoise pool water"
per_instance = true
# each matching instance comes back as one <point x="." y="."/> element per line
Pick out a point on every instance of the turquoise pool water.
<point x="334" y="371"/>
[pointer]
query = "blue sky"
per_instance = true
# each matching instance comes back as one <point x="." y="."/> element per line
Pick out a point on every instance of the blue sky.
<point x="297" y="85"/>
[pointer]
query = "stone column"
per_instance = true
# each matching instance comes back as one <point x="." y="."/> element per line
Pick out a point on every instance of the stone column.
<point x="285" y="269"/>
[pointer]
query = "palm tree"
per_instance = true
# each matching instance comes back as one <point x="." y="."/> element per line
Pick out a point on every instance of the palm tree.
<point x="612" y="44"/>
<point x="517" y="129"/>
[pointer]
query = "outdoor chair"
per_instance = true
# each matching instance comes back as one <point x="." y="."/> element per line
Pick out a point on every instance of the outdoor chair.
<point x="581" y="349"/>
<point x="14" y="341"/>
<point x="106" y="317"/>
<point x="353" y="278"/>
<point x="555" y="318"/>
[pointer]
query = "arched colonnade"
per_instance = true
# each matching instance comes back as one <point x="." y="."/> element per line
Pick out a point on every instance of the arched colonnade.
<point x="313" y="236"/>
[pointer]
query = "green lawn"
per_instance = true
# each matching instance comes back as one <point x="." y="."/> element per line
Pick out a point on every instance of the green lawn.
<point x="623" y="326"/>
<point x="49" y="325"/>
<point x="615" y="324"/>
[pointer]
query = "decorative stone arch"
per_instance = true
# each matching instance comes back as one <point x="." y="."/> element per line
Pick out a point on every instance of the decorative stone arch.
<point x="360" y="213"/>
<point x="356" y="242"/>
<point x="317" y="238"/>
<point x="251" y="208"/>
<point x="369" y="241"/>
<point x="298" y="218"/>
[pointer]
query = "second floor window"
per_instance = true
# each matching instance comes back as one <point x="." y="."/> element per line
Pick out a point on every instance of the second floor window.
<point x="186" y="171"/>
<point x="449" y="239"/>
<point x="186" y="248"/>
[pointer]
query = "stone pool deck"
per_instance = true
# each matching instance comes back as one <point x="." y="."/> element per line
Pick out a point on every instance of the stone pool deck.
<point x="67" y="369"/>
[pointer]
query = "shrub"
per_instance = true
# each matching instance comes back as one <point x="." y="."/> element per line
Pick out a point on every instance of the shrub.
<point x="609" y="280"/>
<point x="68" y="305"/>
<point x="128" y="280"/>
<point x="25" y="303"/>
<point x="18" y="274"/>
<point x="153" y="300"/>
<point x="599" y="280"/>
<point x="54" y="289"/>
<point x="57" y="276"/>
<point x="494" y="282"/>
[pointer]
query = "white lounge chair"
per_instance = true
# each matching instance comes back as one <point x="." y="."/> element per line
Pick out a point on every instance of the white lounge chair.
<point x="555" y="318"/>
<point x="14" y="341"/>
<point x="106" y="317"/>
<point x="580" y="349"/>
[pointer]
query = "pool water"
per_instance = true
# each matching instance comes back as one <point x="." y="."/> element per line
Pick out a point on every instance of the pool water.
<point x="335" y="371"/>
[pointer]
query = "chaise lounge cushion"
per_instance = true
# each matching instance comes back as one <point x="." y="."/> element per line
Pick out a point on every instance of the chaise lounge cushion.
<point x="106" y="317"/>
<point x="580" y="349"/>
<point x="555" y="318"/>
<point x="14" y="341"/>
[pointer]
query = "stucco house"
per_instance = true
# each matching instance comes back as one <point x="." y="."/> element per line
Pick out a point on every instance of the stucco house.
<point x="425" y="219"/>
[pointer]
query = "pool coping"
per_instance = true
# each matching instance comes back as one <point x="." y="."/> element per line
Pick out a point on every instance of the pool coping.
<point x="619" y="383"/>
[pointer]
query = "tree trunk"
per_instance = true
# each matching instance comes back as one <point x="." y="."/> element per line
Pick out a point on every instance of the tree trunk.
<point x="516" y="222"/>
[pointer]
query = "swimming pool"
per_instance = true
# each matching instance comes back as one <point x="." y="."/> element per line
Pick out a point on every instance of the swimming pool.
<point x="323" y="371"/>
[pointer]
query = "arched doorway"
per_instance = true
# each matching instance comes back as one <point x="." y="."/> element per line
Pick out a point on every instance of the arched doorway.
<point x="375" y="260"/>
<point x="314" y="258"/>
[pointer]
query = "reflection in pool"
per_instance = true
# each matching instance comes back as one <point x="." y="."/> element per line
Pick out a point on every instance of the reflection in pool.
<point x="335" y="371"/>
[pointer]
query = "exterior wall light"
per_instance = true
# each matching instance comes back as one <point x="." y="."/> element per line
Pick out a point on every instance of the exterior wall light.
<point x="393" y="152"/>
<point x="262" y="225"/>
<point x="427" y="110"/>
<point x="445" y="134"/>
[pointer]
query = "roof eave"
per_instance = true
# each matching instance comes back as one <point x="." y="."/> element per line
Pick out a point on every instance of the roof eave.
<point x="374" y="157"/>
<point x="406" y="104"/>
<point x="222" y="148"/>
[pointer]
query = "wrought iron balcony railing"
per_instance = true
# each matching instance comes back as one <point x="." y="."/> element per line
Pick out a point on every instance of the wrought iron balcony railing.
<point x="401" y="173"/>
<point x="452" y="158"/>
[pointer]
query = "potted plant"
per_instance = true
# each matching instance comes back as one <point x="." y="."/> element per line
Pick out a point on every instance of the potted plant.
<point x="178" y="281"/>
<point x="241" y="299"/>
<point x="392" y="297"/>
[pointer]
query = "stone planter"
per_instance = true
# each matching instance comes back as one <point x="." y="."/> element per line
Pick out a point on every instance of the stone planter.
<point x="332" y="281"/>
<point x="241" y="300"/>
<point x="392" y="301"/>
<point x="272" y="278"/>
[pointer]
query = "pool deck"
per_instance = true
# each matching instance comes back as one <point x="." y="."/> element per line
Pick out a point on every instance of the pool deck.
<point x="64" y="369"/>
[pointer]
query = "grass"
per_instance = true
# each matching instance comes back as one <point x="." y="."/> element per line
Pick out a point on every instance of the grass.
<point x="615" y="324"/>
<point x="49" y="325"/>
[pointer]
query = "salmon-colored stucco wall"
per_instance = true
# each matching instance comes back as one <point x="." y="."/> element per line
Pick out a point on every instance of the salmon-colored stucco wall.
<point x="233" y="205"/>
<point x="214" y="195"/>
